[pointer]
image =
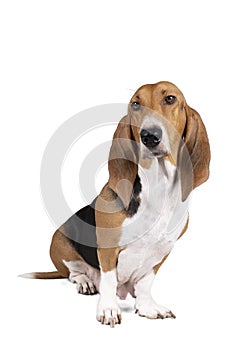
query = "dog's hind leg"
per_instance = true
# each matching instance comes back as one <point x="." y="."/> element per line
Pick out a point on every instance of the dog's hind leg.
<point x="71" y="264"/>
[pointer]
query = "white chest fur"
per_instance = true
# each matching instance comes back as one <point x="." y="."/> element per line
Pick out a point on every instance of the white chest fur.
<point x="151" y="233"/>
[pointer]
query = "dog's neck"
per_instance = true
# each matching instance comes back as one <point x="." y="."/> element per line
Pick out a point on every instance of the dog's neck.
<point x="158" y="169"/>
<point x="159" y="204"/>
<point x="160" y="183"/>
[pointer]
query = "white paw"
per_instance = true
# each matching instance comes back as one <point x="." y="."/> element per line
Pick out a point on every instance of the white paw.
<point x="84" y="284"/>
<point x="108" y="313"/>
<point x="150" y="309"/>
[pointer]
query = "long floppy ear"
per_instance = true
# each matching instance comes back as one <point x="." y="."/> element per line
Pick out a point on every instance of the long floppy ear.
<point x="122" y="162"/>
<point x="194" y="154"/>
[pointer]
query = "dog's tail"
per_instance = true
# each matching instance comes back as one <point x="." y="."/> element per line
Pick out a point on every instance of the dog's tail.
<point x="42" y="275"/>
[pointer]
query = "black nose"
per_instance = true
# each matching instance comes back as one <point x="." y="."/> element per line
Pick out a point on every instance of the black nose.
<point x="151" y="137"/>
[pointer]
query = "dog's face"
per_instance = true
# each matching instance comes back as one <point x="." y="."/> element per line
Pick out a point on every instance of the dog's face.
<point x="158" y="119"/>
<point x="159" y="124"/>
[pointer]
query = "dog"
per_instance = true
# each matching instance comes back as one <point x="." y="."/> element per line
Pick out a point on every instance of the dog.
<point x="160" y="152"/>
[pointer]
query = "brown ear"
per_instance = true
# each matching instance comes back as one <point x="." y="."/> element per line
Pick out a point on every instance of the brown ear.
<point x="122" y="162"/>
<point x="194" y="154"/>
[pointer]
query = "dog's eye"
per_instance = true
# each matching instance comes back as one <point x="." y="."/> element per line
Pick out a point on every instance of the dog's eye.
<point x="169" y="100"/>
<point x="135" y="106"/>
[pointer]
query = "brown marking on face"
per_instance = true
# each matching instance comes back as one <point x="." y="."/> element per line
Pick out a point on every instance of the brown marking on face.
<point x="173" y="117"/>
<point x="152" y="97"/>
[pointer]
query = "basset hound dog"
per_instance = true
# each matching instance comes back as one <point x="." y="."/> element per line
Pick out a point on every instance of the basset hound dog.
<point x="114" y="246"/>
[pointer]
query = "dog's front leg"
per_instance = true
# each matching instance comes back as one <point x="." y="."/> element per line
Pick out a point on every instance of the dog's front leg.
<point x="144" y="304"/>
<point x="108" y="311"/>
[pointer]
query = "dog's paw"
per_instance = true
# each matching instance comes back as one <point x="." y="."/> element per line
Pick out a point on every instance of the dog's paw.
<point x="84" y="284"/>
<point x="152" y="310"/>
<point x="108" y="314"/>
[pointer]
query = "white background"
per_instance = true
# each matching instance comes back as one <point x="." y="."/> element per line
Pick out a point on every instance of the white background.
<point x="60" y="57"/>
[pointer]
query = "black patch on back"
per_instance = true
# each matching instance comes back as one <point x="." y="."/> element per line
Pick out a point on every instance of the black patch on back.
<point x="80" y="228"/>
<point x="135" y="200"/>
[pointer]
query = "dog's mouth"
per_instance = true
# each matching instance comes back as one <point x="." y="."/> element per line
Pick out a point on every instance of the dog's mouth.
<point x="160" y="154"/>
<point x="151" y="154"/>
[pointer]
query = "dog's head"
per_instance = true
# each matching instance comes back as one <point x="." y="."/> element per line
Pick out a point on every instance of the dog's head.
<point x="159" y="124"/>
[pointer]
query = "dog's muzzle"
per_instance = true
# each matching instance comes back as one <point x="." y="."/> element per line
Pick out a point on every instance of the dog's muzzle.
<point x="151" y="138"/>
